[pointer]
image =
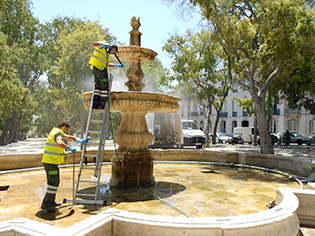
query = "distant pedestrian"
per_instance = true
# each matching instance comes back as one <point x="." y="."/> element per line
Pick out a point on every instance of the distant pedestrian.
<point x="287" y="137"/>
<point x="54" y="156"/>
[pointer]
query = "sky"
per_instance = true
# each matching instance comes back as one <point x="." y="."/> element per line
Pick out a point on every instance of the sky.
<point x="158" y="19"/>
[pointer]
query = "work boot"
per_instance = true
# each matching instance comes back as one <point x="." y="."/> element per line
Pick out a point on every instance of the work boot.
<point x="57" y="204"/>
<point x="49" y="209"/>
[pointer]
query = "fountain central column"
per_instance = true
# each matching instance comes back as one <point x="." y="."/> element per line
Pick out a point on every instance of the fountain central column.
<point x="133" y="163"/>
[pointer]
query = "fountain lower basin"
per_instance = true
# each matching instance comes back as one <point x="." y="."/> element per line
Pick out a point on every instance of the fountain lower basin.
<point x="294" y="205"/>
<point x="200" y="189"/>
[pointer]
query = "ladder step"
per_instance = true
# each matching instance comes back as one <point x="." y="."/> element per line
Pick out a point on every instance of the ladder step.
<point x="98" y="110"/>
<point x="85" y="195"/>
<point x="88" y="167"/>
<point x="94" y="132"/>
<point x="96" y="121"/>
<point x="88" y="181"/>
<point x="90" y="155"/>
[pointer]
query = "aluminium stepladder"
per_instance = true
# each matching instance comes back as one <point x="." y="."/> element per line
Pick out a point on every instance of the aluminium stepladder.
<point x="96" y="130"/>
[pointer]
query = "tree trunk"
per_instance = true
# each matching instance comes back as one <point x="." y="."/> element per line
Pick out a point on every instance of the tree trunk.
<point x="214" y="136"/>
<point x="264" y="135"/>
<point x="255" y="131"/>
<point x="207" y="112"/>
<point x="3" y="138"/>
<point x="12" y="128"/>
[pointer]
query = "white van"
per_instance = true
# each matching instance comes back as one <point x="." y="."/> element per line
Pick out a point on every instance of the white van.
<point x="192" y="135"/>
<point x="247" y="134"/>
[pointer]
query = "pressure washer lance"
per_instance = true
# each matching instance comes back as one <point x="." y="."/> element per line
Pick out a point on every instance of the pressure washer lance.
<point x="118" y="59"/>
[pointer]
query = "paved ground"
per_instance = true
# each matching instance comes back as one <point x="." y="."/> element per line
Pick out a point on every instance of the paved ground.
<point x="37" y="145"/>
<point x="304" y="152"/>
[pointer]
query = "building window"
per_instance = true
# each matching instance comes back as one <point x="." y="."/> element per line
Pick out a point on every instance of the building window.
<point x="201" y="124"/>
<point x="245" y="123"/>
<point x="223" y="112"/>
<point x="223" y="126"/>
<point x="273" y="126"/>
<point x="292" y="125"/>
<point x="312" y="126"/>
<point x="235" y="88"/>
<point x="234" y="124"/>
<point x="234" y="108"/>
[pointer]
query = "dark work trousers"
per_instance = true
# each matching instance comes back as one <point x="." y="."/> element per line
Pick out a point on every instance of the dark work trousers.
<point x="53" y="179"/>
<point x="100" y="95"/>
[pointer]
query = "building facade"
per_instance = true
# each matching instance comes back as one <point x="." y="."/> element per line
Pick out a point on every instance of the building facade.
<point x="232" y="115"/>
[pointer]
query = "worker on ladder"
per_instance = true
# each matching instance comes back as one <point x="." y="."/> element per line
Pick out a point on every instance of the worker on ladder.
<point x="100" y="61"/>
<point x="54" y="156"/>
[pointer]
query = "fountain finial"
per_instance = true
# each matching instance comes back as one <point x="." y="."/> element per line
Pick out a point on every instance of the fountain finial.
<point x="135" y="34"/>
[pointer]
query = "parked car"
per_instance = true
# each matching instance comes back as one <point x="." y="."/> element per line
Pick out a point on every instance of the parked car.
<point x="222" y="138"/>
<point x="295" y="138"/>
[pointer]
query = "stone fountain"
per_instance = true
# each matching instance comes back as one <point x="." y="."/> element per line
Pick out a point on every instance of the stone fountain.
<point x="133" y="163"/>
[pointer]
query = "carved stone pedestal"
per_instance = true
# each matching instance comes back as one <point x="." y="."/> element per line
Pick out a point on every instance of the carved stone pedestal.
<point x="133" y="163"/>
<point x="132" y="169"/>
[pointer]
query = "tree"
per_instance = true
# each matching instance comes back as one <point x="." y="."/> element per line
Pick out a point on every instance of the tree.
<point x="265" y="39"/>
<point x="153" y="73"/>
<point x="196" y="60"/>
<point x="69" y="42"/>
<point x="21" y="65"/>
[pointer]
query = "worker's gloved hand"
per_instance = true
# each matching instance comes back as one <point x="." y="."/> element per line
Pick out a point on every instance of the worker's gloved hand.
<point x="71" y="149"/>
<point x="105" y="45"/>
<point x="84" y="140"/>
<point x="119" y="65"/>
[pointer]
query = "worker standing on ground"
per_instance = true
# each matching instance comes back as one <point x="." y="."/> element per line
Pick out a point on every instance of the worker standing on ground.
<point x="54" y="156"/>
<point x="100" y="61"/>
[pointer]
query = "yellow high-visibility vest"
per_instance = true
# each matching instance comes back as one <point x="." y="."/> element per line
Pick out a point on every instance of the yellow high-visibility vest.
<point x="53" y="154"/>
<point x="100" y="59"/>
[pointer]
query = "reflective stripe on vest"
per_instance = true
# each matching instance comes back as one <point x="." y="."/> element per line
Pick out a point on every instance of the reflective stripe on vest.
<point x="100" y="59"/>
<point x="53" y="154"/>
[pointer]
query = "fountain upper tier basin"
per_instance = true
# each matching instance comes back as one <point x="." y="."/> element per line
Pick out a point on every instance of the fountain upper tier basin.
<point x="136" y="53"/>
<point x="138" y="101"/>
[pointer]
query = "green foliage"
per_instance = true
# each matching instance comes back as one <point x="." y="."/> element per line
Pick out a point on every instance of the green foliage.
<point x="267" y="40"/>
<point x="247" y="104"/>
<point x="69" y="45"/>
<point x="263" y="35"/>
<point x="153" y="74"/>
<point x="21" y="66"/>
